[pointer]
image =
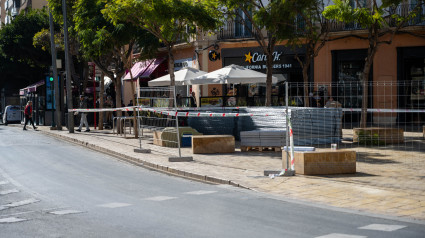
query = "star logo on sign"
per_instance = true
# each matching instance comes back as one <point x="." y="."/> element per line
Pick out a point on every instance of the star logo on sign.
<point x="248" y="57"/>
<point x="214" y="55"/>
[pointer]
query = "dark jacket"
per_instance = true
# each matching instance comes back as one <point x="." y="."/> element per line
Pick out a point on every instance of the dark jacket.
<point x="83" y="103"/>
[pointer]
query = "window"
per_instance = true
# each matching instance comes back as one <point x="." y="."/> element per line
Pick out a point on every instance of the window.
<point x="243" y="27"/>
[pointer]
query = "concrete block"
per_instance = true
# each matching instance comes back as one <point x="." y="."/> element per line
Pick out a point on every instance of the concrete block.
<point x="157" y="138"/>
<point x="180" y="159"/>
<point x="142" y="151"/>
<point x="210" y="144"/>
<point x="378" y="135"/>
<point x="323" y="162"/>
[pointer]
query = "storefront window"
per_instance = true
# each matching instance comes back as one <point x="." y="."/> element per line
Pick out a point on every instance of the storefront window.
<point x="350" y="90"/>
<point x="416" y="75"/>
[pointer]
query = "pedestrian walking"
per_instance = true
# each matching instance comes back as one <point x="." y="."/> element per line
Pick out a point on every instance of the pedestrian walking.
<point x="28" y="115"/>
<point x="83" y="120"/>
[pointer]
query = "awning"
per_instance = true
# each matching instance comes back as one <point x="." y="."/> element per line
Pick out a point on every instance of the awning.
<point x="31" y="88"/>
<point x="152" y="68"/>
<point x="138" y="69"/>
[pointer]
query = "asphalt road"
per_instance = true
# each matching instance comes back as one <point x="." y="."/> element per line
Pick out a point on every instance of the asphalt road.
<point x="50" y="188"/>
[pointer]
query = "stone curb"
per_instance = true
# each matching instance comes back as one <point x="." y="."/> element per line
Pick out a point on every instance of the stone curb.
<point x="146" y="164"/>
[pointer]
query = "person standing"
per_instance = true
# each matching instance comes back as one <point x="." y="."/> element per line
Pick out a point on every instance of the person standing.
<point x="193" y="100"/>
<point x="130" y="112"/>
<point x="108" y="104"/>
<point x="83" y="120"/>
<point x="28" y="115"/>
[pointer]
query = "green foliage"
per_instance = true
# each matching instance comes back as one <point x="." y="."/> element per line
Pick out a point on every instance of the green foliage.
<point x="16" y="39"/>
<point x="368" y="139"/>
<point x="165" y="19"/>
<point x="99" y="37"/>
<point x="41" y="40"/>
<point x="366" y="16"/>
<point x="21" y="63"/>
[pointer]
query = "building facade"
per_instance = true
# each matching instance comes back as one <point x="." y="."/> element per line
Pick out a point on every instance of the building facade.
<point x="9" y="9"/>
<point x="396" y="81"/>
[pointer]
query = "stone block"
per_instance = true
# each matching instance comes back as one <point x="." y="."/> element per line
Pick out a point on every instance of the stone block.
<point x="323" y="162"/>
<point x="157" y="138"/>
<point x="211" y="144"/>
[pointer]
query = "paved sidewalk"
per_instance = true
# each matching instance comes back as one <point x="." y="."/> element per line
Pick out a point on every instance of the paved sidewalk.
<point x="389" y="189"/>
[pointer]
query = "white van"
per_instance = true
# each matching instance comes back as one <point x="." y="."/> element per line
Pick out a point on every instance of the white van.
<point x="12" y="114"/>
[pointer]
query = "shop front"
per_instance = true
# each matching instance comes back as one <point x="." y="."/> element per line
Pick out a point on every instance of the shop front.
<point x="347" y="87"/>
<point x="411" y="82"/>
<point x="285" y="68"/>
<point x="37" y="94"/>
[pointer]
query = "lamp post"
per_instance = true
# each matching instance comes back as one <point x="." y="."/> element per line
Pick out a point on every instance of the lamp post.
<point x="68" y="71"/>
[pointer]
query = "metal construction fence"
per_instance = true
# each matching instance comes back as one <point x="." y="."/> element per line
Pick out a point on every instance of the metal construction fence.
<point x="394" y="134"/>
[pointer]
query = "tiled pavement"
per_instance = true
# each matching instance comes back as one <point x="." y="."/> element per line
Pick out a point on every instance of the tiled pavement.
<point x="394" y="187"/>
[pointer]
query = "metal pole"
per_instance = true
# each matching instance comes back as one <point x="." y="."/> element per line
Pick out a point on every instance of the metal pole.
<point x="94" y="92"/>
<point x="55" y="75"/>
<point x="287" y="124"/>
<point x="68" y="73"/>
<point x="177" y="120"/>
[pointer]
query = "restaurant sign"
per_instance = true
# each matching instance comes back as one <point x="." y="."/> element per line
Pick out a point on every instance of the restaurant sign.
<point x="254" y="58"/>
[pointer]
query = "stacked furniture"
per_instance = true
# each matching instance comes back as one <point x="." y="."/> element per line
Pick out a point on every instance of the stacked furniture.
<point x="262" y="139"/>
<point x="311" y="126"/>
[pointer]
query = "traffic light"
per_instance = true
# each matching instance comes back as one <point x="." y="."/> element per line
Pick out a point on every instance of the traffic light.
<point x="51" y="75"/>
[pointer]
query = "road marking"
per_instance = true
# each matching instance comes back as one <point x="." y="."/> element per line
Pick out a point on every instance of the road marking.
<point x="115" y="205"/>
<point x="201" y="192"/>
<point x="65" y="212"/>
<point x="11" y="220"/>
<point x="382" y="227"/>
<point x="4" y="182"/>
<point x="5" y="192"/>
<point x="160" y="198"/>
<point x="337" y="235"/>
<point x="20" y="203"/>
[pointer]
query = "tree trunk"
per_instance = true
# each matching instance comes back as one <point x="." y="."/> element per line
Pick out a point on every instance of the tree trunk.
<point x="373" y="40"/>
<point x="101" y="94"/>
<point x="85" y="77"/>
<point x="269" y="72"/>
<point x="135" y="122"/>
<point x="365" y="99"/>
<point x="171" y="71"/>
<point x="118" y="100"/>
<point x="306" y="67"/>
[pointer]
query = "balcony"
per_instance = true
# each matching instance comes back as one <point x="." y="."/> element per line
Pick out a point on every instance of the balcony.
<point x="401" y="10"/>
<point x="234" y="30"/>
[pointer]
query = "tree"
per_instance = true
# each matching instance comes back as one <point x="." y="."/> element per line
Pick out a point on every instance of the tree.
<point x="78" y="64"/>
<point x="21" y="63"/>
<point x="382" y="23"/>
<point x="110" y="46"/>
<point x="171" y="21"/>
<point x="309" y="31"/>
<point x="267" y="23"/>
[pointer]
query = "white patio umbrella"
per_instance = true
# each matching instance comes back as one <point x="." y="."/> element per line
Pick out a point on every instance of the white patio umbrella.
<point x="181" y="77"/>
<point x="232" y="74"/>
